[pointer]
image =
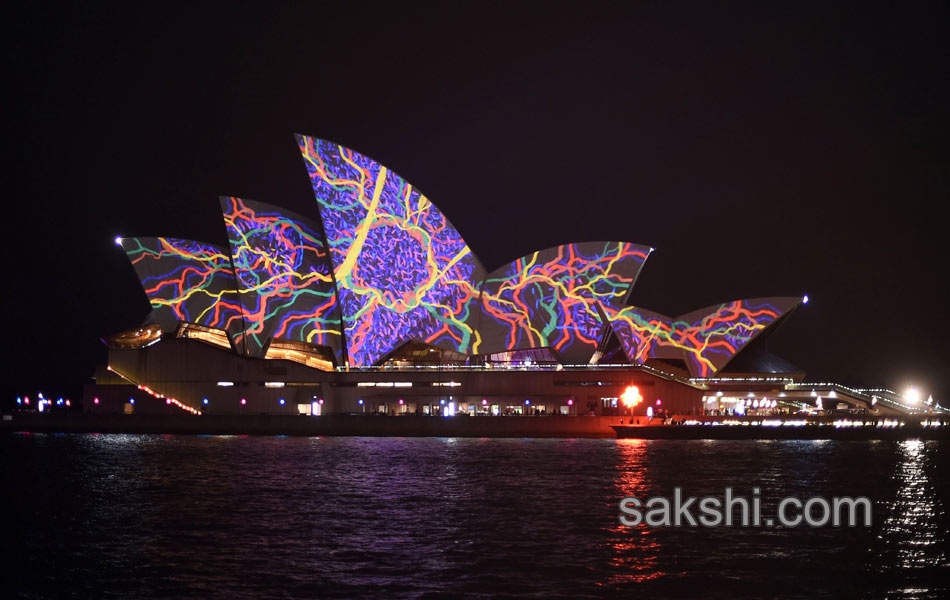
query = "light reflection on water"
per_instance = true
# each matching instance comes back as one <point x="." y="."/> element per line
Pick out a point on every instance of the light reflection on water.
<point x="248" y="517"/>
<point x="635" y="552"/>
<point x="913" y="539"/>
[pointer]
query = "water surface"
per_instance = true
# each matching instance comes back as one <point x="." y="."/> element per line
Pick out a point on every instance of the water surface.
<point x="140" y="516"/>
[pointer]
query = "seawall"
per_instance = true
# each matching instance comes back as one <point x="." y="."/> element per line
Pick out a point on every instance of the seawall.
<point x="460" y="426"/>
<point x="331" y="425"/>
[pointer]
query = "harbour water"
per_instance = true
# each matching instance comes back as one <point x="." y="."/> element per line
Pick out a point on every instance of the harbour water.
<point x="155" y="516"/>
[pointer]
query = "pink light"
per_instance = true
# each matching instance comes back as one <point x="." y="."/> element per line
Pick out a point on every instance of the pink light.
<point x="243" y="401"/>
<point x="570" y="402"/>
<point x="94" y="400"/>
<point x="321" y="401"/>
<point x="67" y="402"/>
<point x="658" y="402"/>
<point x="401" y="401"/>
<point x="168" y="401"/>
<point x="484" y="402"/>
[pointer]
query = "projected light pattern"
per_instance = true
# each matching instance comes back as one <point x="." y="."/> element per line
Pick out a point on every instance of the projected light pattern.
<point x="389" y="268"/>
<point x="706" y="339"/>
<point x="549" y="298"/>
<point x="186" y="281"/>
<point x="402" y="270"/>
<point x="283" y="277"/>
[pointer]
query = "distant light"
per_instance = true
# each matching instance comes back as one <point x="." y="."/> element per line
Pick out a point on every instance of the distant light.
<point x="320" y="401"/>
<point x="814" y="394"/>
<point x="484" y="402"/>
<point x="658" y="402"/>
<point x="527" y="401"/>
<point x="168" y="401"/>
<point x="360" y="402"/>
<point x="274" y="384"/>
<point x="243" y="401"/>
<point x="755" y="403"/>
<point x="401" y="401"/>
<point x="204" y="400"/>
<point x="225" y="383"/>
<point x="570" y="402"/>
<point x="131" y="400"/>
<point x="118" y="240"/>
<point x="442" y="401"/>
<point x="751" y="395"/>
<point x="95" y="400"/>
<point x="631" y="396"/>
<point x="282" y="401"/>
<point x="650" y="412"/>
<point x="41" y="406"/>
<point x="805" y="299"/>
<point x="930" y="399"/>
<point x="19" y="400"/>
<point x="719" y="393"/>
<point x="912" y="395"/>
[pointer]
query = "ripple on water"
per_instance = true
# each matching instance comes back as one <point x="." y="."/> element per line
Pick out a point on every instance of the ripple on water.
<point x="248" y="517"/>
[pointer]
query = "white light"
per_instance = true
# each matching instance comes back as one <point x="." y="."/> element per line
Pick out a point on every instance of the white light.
<point x="402" y="384"/>
<point x="225" y="383"/>
<point x="274" y="384"/>
<point x="719" y="393"/>
<point x="912" y="395"/>
<point x="930" y="399"/>
<point x="832" y="394"/>
<point x="118" y="240"/>
<point x="805" y="299"/>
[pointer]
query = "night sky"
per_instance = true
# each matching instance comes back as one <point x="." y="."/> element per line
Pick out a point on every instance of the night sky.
<point x="761" y="150"/>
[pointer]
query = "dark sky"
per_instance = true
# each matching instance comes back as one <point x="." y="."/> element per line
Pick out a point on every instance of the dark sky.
<point x="763" y="150"/>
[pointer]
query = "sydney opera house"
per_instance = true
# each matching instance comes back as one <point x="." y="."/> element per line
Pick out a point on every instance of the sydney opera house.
<point x="374" y="304"/>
